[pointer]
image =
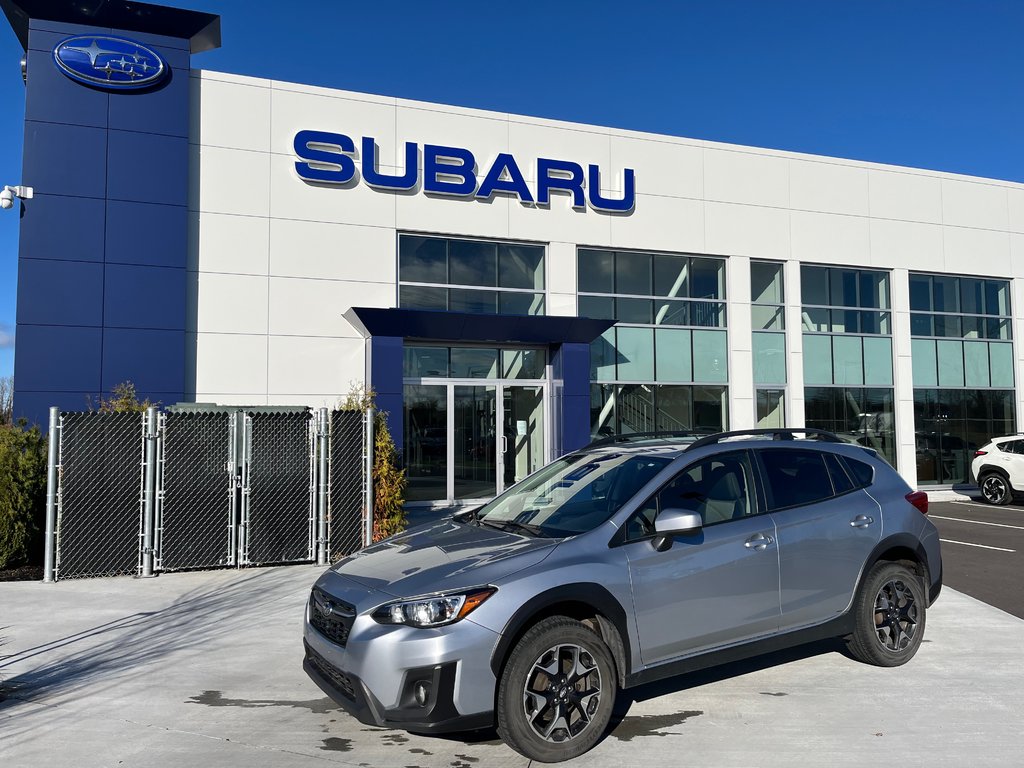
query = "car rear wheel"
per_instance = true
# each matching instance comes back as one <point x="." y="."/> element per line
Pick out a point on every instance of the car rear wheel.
<point x="995" y="489"/>
<point x="557" y="691"/>
<point x="889" y="612"/>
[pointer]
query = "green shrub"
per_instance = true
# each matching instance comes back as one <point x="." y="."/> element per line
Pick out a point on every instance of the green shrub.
<point x="22" y="495"/>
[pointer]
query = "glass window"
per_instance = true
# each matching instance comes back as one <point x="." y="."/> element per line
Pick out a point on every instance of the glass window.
<point x="710" y="408"/>
<point x="710" y="360"/>
<point x="950" y="357"/>
<point x="707" y="278"/>
<point x="671" y="312"/>
<point x="472" y="263"/>
<point x="771" y="408"/>
<point x="602" y="411"/>
<point x="519" y="303"/>
<point x="422" y="297"/>
<point x="673" y="409"/>
<point x="475" y="302"/>
<point x="766" y="318"/>
<point x="817" y="360"/>
<point x="595" y="271"/>
<point x="925" y="362"/>
<point x="426" y="441"/>
<point x="847" y="360"/>
<point x="997" y="297"/>
<point x="707" y="314"/>
<point x="598" y="307"/>
<point x="719" y="489"/>
<point x="921" y="293"/>
<point x="862" y="472"/>
<point x="841" y="482"/>
<point x="603" y="356"/>
<point x="972" y="296"/>
<point x="471" y="363"/>
<point x="877" y="361"/>
<point x="766" y="282"/>
<point x="769" y="358"/>
<point x="425" y="361"/>
<point x="520" y="266"/>
<point x="635" y="347"/>
<point x="634" y="405"/>
<point x="921" y="325"/>
<point x="945" y="295"/>
<point x="633" y="273"/>
<point x="633" y="311"/>
<point x="795" y="477"/>
<point x="814" y="285"/>
<point x="671" y="276"/>
<point x="423" y="259"/>
<point x="1001" y="364"/>
<point x="976" y="367"/>
<point x="523" y="363"/>
<point x="672" y="355"/>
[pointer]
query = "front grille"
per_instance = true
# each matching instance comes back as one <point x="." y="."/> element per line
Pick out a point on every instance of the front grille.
<point x="331" y="617"/>
<point x="337" y="678"/>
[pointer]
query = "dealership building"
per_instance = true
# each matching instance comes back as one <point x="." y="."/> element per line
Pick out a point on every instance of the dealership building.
<point x="511" y="287"/>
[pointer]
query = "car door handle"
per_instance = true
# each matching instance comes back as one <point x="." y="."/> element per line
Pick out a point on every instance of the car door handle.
<point x="758" y="541"/>
<point x="862" y="521"/>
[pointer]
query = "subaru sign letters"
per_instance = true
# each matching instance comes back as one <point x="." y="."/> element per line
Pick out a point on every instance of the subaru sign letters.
<point x="329" y="158"/>
<point x="108" y="62"/>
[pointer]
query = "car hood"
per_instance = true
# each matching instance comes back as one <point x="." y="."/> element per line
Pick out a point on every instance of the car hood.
<point x="442" y="556"/>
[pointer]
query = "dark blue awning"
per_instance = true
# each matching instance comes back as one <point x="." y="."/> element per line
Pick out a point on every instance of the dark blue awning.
<point x="427" y="325"/>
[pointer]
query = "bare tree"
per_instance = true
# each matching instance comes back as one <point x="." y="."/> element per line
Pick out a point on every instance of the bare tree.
<point x="6" y="400"/>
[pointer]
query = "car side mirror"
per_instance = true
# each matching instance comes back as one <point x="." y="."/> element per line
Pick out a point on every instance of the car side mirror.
<point x="674" y="522"/>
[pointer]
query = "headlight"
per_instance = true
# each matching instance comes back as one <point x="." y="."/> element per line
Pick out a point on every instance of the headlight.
<point x="434" y="611"/>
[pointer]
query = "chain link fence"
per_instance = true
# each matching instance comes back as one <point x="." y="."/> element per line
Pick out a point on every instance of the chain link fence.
<point x="227" y="487"/>
<point x="99" y="498"/>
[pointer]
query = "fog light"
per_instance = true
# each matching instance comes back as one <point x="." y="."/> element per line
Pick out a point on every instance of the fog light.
<point x="422" y="692"/>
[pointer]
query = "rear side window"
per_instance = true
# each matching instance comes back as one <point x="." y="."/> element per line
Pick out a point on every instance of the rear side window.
<point x="841" y="482"/>
<point x="1011" y="446"/>
<point x="863" y="474"/>
<point x="796" y="477"/>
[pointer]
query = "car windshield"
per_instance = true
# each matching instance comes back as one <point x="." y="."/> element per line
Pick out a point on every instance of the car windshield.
<point x="572" y="495"/>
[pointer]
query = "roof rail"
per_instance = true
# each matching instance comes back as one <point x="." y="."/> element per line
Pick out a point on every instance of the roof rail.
<point x="663" y="435"/>
<point x="772" y="433"/>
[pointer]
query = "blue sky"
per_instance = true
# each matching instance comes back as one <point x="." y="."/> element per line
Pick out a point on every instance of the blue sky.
<point x="936" y="84"/>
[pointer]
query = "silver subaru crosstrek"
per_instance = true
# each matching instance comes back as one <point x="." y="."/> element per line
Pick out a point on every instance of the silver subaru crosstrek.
<point x="635" y="559"/>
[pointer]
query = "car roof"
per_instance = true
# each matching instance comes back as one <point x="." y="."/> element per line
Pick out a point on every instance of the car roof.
<point x="674" y="444"/>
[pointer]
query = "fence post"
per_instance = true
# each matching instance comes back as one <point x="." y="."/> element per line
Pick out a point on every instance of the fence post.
<point x="321" y="499"/>
<point x="368" y="476"/>
<point x="51" y="497"/>
<point x="149" y="495"/>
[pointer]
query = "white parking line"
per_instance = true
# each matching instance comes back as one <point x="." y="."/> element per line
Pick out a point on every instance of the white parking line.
<point x="979" y="505"/>
<point x="978" y="522"/>
<point x="982" y="546"/>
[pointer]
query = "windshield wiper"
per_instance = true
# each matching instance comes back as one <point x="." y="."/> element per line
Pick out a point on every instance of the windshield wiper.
<point x="506" y="525"/>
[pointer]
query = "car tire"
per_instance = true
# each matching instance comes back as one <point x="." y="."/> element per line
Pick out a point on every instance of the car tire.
<point x="995" y="489"/>
<point x="557" y="691"/>
<point x="889" y="615"/>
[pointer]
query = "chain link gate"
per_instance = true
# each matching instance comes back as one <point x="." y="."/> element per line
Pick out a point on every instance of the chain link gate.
<point x="346" y="504"/>
<point x="99" y="498"/>
<point x="195" y="525"/>
<point x="278" y="520"/>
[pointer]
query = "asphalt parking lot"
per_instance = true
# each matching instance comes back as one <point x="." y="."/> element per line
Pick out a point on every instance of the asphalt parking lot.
<point x="983" y="551"/>
<point x="204" y="669"/>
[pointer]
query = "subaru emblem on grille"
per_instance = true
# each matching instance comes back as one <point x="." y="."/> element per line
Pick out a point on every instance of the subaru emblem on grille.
<point x="326" y="608"/>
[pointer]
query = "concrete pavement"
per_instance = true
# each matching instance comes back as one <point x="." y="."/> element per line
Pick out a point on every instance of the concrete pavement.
<point x="204" y="669"/>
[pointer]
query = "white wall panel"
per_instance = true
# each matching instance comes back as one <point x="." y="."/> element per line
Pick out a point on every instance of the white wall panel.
<point x="1015" y="208"/>
<point x="231" y="363"/>
<point x="910" y="244"/>
<point x="528" y="141"/>
<point x="230" y="114"/>
<point x="970" y="204"/>
<point x="905" y="195"/>
<point x="561" y="274"/>
<point x="485" y="137"/>
<point x="221" y="242"/>
<point x="303" y="366"/>
<point x="294" y="112"/>
<point x="977" y="251"/>
<point x="830" y="238"/>
<point x="661" y="223"/>
<point x="744" y="177"/>
<point x="1017" y="269"/>
<point x="452" y="215"/>
<point x="229" y="181"/>
<point x="230" y="303"/>
<point x="332" y="251"/>
<point x="662" y="167"/>
<point x="828" y="187"/>
<point x="305" y="307"/>
<point x="747" y="230"/>
<point x="559" y="221"/>
<point x="293" y="198"/>
<point x="562" y="304"/>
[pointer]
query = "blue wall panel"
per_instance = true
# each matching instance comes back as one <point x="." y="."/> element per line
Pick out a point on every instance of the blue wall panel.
<point x="55" y="98"/>
<point x="57" y="358"/>
<point x="154" y="111"/>
<point x="131" y="224"/>
<point x="34" y="407"/>
<point x="144" y="297"/>
<point x="64" y="292"/>
<point x="153" y="360"/>
<point x="65" y="159"/>
<point x="59" y="227"/>
<point x="147" y="168"/>
<point x="62" y="28"/>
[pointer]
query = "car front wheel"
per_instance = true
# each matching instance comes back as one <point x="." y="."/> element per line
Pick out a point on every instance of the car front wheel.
<point x="995" y="489"/>
<point x="889" y="612"/>
<point x="557" y="691"/>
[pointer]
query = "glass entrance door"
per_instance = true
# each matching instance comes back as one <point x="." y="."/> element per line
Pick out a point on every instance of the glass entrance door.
<point x="469" y="440"/>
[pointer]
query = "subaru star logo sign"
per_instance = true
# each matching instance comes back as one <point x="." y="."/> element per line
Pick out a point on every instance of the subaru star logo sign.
<point x="108" y="62"/>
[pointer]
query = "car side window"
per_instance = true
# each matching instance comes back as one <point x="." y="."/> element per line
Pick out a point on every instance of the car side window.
<point x="1010" y="446"/>
<point x="719" y="488"/>
<point x="841" y="482"/>
<point x="863" y="474"/>
<point x="796" y="477"/>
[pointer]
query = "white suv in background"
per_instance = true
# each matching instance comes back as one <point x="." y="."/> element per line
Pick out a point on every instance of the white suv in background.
<point x="998" y="467"/>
